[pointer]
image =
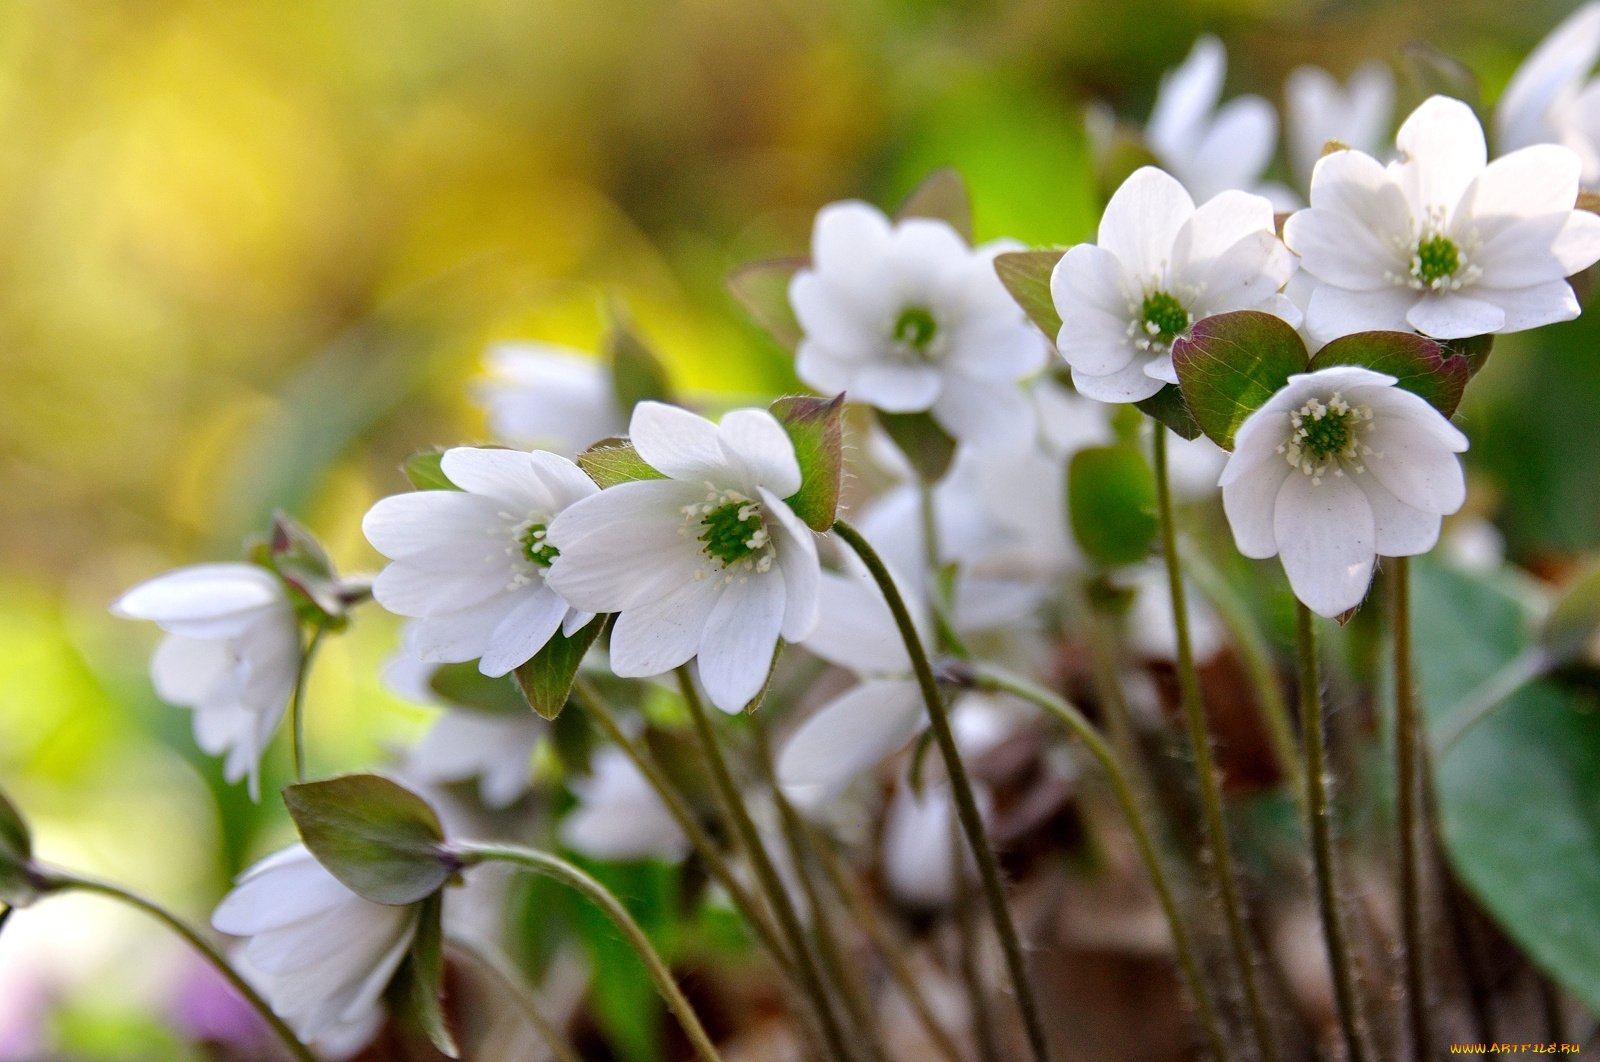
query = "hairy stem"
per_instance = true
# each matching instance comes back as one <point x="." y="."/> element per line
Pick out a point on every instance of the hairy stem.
<point x="738" y="816"/>
<point x="1216" y="826"/>
<point x="1188" y="959"/>
<point x="297" y="713"/>
<point x="57" y="880"/>
<point x="1333" y="928"/>
<point x="961" y="789"/>
<point x="1407" y="769"/>
<point x="510" y="982"/>
<point x="601" y="897"/>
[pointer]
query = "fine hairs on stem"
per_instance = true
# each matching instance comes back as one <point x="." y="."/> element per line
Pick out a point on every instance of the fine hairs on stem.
<point x="1407" y="772"/>
<point x="1205" y="768"/>
<point x="961" y="789"/>
<point x="1333" y="928"/>
<point x="596" y="893"/>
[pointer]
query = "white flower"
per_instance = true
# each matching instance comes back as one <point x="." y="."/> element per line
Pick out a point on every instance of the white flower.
<point x="1161" y="265"/>
<point x="493" y="748"/>
<point x="1551" y="99"/>
<point x="321" y="955"/>
<point x="232" y="653"/>
<point x="1212" y="150"/>
<point x="1336" y="468"/>
<point x="1440" y="241"/>
<point x="906" y="317"/>
<point x="708" y="562"/>
<point x="619" y="816"/>
<point x="543" y="395"/>
<point x="472" y="563"/>
<point x="1356" y="114"/>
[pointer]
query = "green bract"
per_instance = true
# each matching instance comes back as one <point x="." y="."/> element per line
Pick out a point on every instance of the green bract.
<point x="301" y="562"/>
<point x="1417" y="362"/>
<point x="467" y="687"/>
<point x="1230" y="364"/>
<point x="546" y="679"/>
<point x="414" y="993"/>
<point x="928" y="447"/>
<point x="1111" y="498"/>
<point x="422" y="469"/>
<point x="612" y="461"/>
<point x="1026" y="274"/>
<point x="762" y="288"/>
<point x="815" y="427"/>
<point x="380" y="839"/>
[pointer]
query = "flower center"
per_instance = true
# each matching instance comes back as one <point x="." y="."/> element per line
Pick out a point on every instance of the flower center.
<point x="535" y="547"/>
<point x="1435" y="261"/>
<point x="1163" y="316"/>
<point x="1325" y="437"/>
<point x="915" y="328"/>
<point x="732" y="533"/>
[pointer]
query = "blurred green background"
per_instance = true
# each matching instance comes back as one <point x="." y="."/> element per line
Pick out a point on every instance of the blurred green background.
<point x="251" y="253"/>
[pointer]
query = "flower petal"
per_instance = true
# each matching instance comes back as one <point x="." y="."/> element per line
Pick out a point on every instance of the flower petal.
<point x="1402" y="530"/>
<point x="1090" y="277"/>
<point x="741" y="634"/>
<point x="1539" y="250"/>
<point x="1327" y="540"/>
<point x="1142" y="220"/>
<point x="524" y="632"/>
<point x="442" y="579"/>
<point x="897" y="388"/>
<point x="1235" y="149"/>
<point x="1130" y="384"/>
<point x="1556" y="67"/>
<point x="1335" y="311"/>
<point x="456" y="637"/>
<point x="1411" y="464"/>
<point x="1531" y="307"/>
<point x="1250" y="500"/>
<point x="1443" y="150"/>
<point x="1186" y="98"/>
<point x="653" y="637"/>
<point x="623" y="545"/>
<point x="404" y="524"/>
<point x="756" y="443"/>
<point x="1218" y="224"/>
<point x="981" y="413"/>
<point x="1447" y="315"/>
<point x="506" y="475"/>
<point x="849" y="735"/>
<point x="200" y="594"/>
<point x="856" y="630"/>
<point x="566" y="482"/>
<point x="797" y="560"/>
<point x="675" y="442"/>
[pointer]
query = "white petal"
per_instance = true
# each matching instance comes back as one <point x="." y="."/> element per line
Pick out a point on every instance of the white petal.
<point x="1094" y="342"/>
<point x="1553" y="69"/>
<point x="455" y="637"/>
<point x="1539" y="250"/>
<point x="851" y="734"/>
<point x="1188" y="95"/>
<point x="675" y="442"/>
<point x="566" y="482"/>
<point x="1128" y="385"/>
<point x="1235" y="149"/>
<point x="506" y="475"/>
<point x="1531" y="307"/>
<point x="1250" y="500"/>
<point x="997" y="350"/>
<point x="1142" y="220"/>
<point x="404" y="524"/>
<point x="797" y="560"/>
<point x="184" y="670"/>
<point x="524" y="632"/>
<point x="755" y="442"/>
<point x="1218" y="224"/>
<point x="1246" y="276"/>
<point x="201" y="595"/>
<point x="741" y="634"/>
<point x="653" y="637"/>
<point x="1092" y="277"/>
<point x="1334" y="311"/>
<point x="1414" y="467"/>
<point x="1443" y="149"/>
<point x="1447" y="315"/>
<point x="1358" y="237"/>
<point x="1537" y="180"/>
<point x="992" y="415"/>
<point x="849" y="242"/>
<point x="623" y="545"/>
<point x="897" y="388"/>
<point x="443" y="579"/>
<point x="856" y="630"/>
<point x="1327" y="540"/>
<point x="1402" y="530"/>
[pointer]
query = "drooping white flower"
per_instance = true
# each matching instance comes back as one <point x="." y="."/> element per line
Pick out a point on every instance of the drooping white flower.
<point x="321" y="955"/>
<point x="1356" y="114"/>
<point x="1159" y="266"/>
<point x="495" y="749"/>
<point x="232" y="653"/>
<point x="906" y="317"/>
<point x="709" y="562"/>
<point x="1213" y="150"/>
<point x="1442" y="241"/>
<point x="471" y="564"/>
<point x="1337" y="468"/>
<point x="1551" y="99"/>
<point x="547" y="396"/>
<point x="619" y="816"/>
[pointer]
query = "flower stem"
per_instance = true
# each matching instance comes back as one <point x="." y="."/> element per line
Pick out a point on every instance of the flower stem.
<point x="738" y="816"/>
<point x="1344" y="988"/>
<point x="511" y="983"/>
<point x="596" y="893"/>
<point x="967" y="946"/>
<point x="704" y="846"/>
<point x="1205" y="767"/>
<point x="1407" y="769"/>
<point x="57" y="880"/>
<point x="997" y="681"/>
<point x="297" y="715"/>
<point x="891" y="949"/>
<point x="961" y="788"/>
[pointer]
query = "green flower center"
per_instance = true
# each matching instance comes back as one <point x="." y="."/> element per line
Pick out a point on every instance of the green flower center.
<point x="536" y="548"/>
<point x="1164" y="316"/>
<point x="733" y="531"/>
<point x="1437" y="259"/>
<point x="915" y="327"/>
<point x="1325" y="438"/>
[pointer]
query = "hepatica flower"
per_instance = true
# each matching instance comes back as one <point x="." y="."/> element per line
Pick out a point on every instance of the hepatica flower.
<point x="471" y="564"/>
<point x="1356" y="114"/>
<point x="906" y="317"/>
<point x="1339" y="467"/>
<point x="540" y="394"/>
<point x="1442" y="241"/>
<point x="231" y="653"/>
<point x="708" y="561"/>
<point x="1551" y="99"/>
<point x="321" y="955"/>
<point x="1160" y="265"/>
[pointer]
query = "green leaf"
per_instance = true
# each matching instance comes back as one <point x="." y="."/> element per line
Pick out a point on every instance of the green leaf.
<point x="17" y="888"/>
<point x="762" y="288"/>
<point x="1167" y="406"/>
<point x="1421" y="366"/>
<point x="464" y="686"/>
<point x="815" y="427"/>
<point x="1229" y="364"/>
<point x="1111" y="498"/>
<point x="1474" y="348"/>
<point x="928" y="447"/>
<point x="423" y="470"/>
<point x="547" y="679"/>
<point x="1569" y="630"/>
<point x="415" y="993"/>
<point x="637" y="374"/>
<point x="379" y="838"/>
<point x="1026" y="274"/>
<point x="1517" y="794"/>
<point x="943" y="196"/>
<point x="613" y="461"/>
